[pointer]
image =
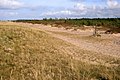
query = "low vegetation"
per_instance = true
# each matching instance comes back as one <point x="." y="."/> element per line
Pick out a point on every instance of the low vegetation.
<point x="111" y="24"/>
<point x="30" y="54"/>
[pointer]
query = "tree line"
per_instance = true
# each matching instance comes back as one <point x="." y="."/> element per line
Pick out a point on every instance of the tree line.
<point x="111" y="23"/>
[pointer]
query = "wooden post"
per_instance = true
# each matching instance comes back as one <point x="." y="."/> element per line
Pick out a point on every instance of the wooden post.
<point x="95" y="31"/>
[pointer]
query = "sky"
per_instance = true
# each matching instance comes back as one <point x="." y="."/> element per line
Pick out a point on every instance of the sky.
<point x="38" y="9"/>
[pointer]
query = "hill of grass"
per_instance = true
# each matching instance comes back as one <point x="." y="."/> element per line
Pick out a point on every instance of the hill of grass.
<point x="30" y="54"/>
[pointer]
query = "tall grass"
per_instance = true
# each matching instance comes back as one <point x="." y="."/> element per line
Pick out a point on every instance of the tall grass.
<point x="30" y="54"/>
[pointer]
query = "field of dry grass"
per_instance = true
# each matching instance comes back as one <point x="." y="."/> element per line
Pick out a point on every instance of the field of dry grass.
<point x="30" y="53"/>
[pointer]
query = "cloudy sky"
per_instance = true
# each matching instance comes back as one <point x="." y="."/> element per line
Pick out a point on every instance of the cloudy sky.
<point x="38" y="9"/>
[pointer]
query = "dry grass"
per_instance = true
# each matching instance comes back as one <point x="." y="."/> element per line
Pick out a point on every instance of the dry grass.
<point x="30" y="54"/>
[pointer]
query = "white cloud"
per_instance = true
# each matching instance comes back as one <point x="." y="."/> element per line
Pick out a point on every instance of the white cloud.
<point x="112" y="4"/>
<point x="8" y="13"/>
<point x="10" y="4"/>
<point x="78" y="0"/>
<point x="77" y="9"/>
<point x="84" y="10"/>
<point x="80" y="6"/>
<point x="63" y="12"/>
<point x="13" y="13"/>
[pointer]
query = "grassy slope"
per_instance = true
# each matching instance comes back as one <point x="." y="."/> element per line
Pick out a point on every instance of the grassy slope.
<point x="30" y="54"/>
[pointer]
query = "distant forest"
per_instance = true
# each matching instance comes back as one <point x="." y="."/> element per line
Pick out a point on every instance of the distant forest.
<point x="111" y="23"/>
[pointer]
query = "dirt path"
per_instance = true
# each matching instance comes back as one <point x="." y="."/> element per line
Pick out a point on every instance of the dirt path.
<point x="110" y="47"/>
<point x="107" y="44"/>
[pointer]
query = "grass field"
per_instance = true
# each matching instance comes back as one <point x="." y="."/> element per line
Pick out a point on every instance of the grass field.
<point x="30" y="54"/>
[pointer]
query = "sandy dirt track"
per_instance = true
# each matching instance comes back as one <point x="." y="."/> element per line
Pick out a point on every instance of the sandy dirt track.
<point x="106" y="44"/>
